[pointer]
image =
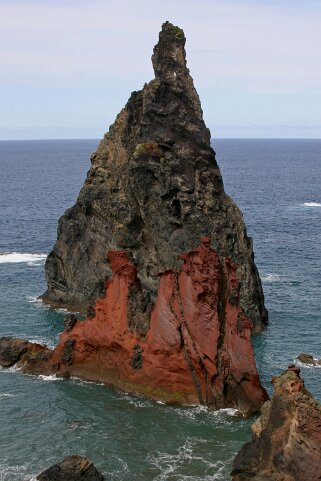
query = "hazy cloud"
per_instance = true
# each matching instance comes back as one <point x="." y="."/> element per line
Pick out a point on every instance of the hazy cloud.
<point x="252" y="61"/>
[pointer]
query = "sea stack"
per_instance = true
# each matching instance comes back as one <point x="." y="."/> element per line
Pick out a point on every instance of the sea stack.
<point x="158" y="255"/>
<point x="154" y="189"/>
<point x="286" y="444"/>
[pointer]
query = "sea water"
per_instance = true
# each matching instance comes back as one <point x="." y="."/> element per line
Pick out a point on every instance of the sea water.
<point x="276" y="183"/>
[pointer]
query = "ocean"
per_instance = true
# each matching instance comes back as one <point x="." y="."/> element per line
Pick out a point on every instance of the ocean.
<point x="276" y="183"/>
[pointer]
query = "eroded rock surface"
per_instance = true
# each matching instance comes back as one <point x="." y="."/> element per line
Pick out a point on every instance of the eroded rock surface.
<point x="73" y="468"/>
<point x="193" y="346"/>
<point x="154" y="188"/>
<point x="286" y="444"/>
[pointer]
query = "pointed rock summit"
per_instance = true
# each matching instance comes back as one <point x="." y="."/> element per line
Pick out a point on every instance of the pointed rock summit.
<point x="158" y="255"/>
<point x="154" y="189"/>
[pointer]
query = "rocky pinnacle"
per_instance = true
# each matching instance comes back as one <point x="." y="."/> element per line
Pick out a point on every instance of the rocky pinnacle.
<point x="154" y="189"/>
<point x="286" y="441"/>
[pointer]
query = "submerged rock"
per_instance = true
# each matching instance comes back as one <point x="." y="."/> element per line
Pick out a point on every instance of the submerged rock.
<point x="308" y="359"/>
<point x="73" y="468"/>
<point x="154" y="188"/>
<point x="286" y="444"/>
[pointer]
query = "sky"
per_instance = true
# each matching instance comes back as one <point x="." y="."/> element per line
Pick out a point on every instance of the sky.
<point x="68" y="66"/>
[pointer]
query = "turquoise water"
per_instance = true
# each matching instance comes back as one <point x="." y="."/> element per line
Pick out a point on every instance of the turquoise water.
<point x="129" y="438"/>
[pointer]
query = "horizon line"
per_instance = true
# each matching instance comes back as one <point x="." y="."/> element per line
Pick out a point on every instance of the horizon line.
<point x="212" y="139"/>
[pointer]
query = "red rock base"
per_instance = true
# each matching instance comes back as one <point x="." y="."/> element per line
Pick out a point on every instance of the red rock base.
<point x="197" y="348"/>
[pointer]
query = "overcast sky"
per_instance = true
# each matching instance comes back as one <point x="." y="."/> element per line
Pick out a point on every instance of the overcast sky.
<point x="68" y="66"/>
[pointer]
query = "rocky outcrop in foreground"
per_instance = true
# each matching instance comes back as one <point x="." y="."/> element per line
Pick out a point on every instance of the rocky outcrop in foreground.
<point x="73" y="468"/>
<point x="153" y="190"/>
<point x="286" y="444"/>
<point x="197" y="348"/>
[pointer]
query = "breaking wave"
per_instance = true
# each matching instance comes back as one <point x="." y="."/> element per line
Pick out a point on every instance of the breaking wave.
<point x="307" y="365"/>
<point x="4" y="395"/>
<point x="312" y="204"/>
<point x="20" y="257"/>
<point x="272" y="278"/>
<point x="170" y="465"/>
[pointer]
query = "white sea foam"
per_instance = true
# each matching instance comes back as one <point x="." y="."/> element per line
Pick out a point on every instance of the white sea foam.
<point x="136" y="400"/>
<point x="10" y="370"/>
<point x="121" y="469"/>
<point x="228" y="411"/>
<point x="6" y="395"/>
<point x="35" y="300"/>
<point x="39" y="303"/>
<point x="52" y="377"/>
<point x="312" y="204"/>
<point x="42" y="341"/>
<point x="170" y="465"/>
<point x="80" y="381"/>
<point x="19" y="257"/>
<point x="10" y="473"/>
<point x="307" y="365"/>
<point x="269" y="277"/>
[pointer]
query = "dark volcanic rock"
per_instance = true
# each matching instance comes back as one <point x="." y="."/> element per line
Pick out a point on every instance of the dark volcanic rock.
<point x="31" y="357"/>
<point x="308" y="359"/>
<point x="286" y="444"/>
<point x="154" y="188"/>
<point x="73" y="468"/>
<point x="69" y="322"/>
<point x="11" y="350"/>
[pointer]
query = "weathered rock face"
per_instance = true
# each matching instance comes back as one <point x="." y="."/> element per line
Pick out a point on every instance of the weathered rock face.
<point x="154" y="188"/>
<point x="193" y="346"/>
<point x="286" y="444"/>
<point x="73" y="468"/>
